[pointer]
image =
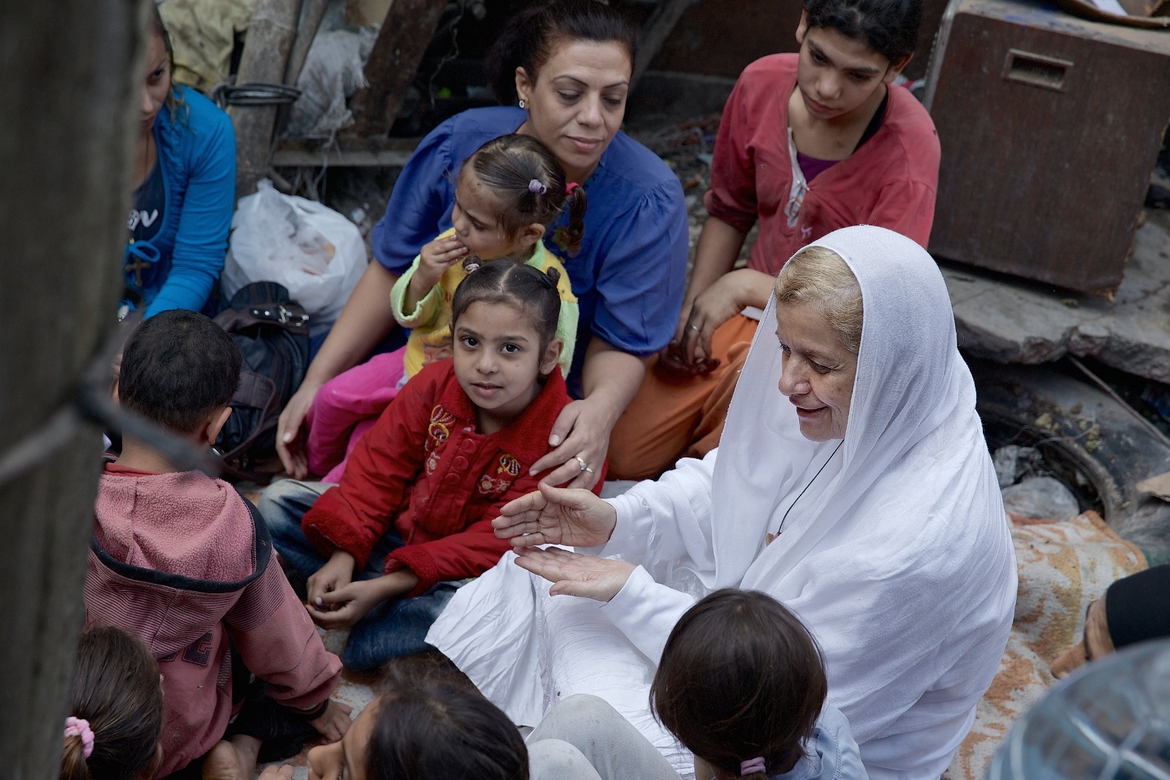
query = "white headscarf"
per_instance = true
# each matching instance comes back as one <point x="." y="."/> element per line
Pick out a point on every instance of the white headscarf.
<point x="901" y="562"/>
<point x="911" y="385"/>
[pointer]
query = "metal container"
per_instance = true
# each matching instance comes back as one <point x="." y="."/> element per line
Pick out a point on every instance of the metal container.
<point x="1050" y="126"/>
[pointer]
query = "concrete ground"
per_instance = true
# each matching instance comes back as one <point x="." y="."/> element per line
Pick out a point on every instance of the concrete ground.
<point x="1014" y="321"/>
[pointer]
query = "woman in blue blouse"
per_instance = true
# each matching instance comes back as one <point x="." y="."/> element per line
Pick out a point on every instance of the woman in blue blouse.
<point x="563" y="71"/>
<point x="184" y="191"/>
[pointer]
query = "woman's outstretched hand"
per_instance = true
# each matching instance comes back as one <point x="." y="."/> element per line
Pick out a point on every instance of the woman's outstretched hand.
<point x="556" y="516"/>
<point x="573" y="574"/>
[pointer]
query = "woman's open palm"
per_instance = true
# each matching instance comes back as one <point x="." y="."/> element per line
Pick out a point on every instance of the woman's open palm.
<point x="556" y="516"/>
<point x="573" y="574"/>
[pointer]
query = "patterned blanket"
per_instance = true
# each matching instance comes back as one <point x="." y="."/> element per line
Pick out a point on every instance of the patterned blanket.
<point x="1063" y="567"/>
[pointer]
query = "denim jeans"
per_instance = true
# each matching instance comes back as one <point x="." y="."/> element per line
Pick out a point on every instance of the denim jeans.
<point x="392" y="629"/>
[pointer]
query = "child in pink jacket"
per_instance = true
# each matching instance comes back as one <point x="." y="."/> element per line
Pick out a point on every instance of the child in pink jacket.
<point x="182" y="561"/>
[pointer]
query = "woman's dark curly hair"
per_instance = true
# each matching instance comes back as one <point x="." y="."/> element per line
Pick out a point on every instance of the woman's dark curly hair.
<point x="528" y="40"/>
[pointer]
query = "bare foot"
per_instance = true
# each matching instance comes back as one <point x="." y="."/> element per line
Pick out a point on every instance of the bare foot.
<point x="233" y="759"/>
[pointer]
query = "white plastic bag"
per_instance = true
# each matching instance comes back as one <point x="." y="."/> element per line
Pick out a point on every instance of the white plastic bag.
<point x="332" y="73"/>
<point x="315" y="252"/>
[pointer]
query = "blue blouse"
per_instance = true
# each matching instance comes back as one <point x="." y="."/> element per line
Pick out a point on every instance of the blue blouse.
<point x="831" y="754"/>
<point x="630" y="273"/>
<point x="197" y="156"/>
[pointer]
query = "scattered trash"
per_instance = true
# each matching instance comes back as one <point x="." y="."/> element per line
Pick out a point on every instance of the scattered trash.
<point x="1013" y="461"/>
<point x="687" y="149"/>
<point x="332" y="72"/>
<point x="1157" y="395"/>
<point x="1041" y="497"/>
<point x="1093" y="438"/>
<point x="1046" y="422"/>
<point x="315" y="252"/>
<point x="360" y="216"/>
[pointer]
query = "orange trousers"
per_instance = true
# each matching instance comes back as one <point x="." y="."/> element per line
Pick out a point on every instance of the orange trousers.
<point x="671" y="418"/>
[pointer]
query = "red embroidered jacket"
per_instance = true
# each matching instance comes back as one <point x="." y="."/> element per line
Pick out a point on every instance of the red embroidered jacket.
<point x="424" y="468"/>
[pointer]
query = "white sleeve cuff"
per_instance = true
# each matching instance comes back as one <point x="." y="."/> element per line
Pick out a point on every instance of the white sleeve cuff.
<point x="646" y="611"/>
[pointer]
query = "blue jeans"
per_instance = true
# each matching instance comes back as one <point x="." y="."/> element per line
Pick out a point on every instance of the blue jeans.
<point x="392" y="629"/>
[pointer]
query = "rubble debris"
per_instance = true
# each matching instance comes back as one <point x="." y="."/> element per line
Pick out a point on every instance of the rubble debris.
<point x="1013" y="321"/>
<point x="1041" y="497"/>
<point x="1013" y="461"/>
<point x="1156" y="486"/>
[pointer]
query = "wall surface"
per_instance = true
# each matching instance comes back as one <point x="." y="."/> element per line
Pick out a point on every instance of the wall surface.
<point x="720" y="37"/>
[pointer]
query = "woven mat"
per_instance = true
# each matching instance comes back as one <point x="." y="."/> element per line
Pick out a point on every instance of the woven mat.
<point x="1063" y="566"/>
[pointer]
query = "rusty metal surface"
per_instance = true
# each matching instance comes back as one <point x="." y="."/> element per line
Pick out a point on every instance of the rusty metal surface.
<point x="1050" y="126"/>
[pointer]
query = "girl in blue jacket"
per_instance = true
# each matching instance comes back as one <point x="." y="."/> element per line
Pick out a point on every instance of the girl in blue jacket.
<point x="184" y="191"/>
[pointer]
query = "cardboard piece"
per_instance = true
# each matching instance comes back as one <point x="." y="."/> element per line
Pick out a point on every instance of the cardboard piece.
<point x="1158" y="486"/>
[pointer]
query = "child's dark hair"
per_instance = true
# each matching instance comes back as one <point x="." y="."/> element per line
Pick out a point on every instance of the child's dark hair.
<point x="429" y="729"/>
<point x="890" y="27"/>
<point x="516" y="284"/>
<point x="528" y="182"/>
<point x="116" y="689"/>
<point x="178" y="368"/>
<point x="740" y="678"/>
<point x="528" y="39"/>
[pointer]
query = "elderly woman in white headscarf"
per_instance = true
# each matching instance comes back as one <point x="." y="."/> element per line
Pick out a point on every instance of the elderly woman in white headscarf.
<point x="852" y="483"/>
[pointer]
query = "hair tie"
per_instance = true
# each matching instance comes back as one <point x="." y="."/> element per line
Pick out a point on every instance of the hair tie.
<point x="471" y="266"/>
<point x="79" y="727"/>
<point x="753" y="766"/>
<point x="535" y="186"/>
<point x="570" y="187"/>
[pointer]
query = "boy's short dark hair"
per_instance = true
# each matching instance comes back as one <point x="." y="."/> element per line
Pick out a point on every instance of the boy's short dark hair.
<point x="178" y="368"/>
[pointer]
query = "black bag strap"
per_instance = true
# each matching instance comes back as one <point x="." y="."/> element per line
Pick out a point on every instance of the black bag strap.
<point x="258" y="391"/>
<point x="288" y="315"/>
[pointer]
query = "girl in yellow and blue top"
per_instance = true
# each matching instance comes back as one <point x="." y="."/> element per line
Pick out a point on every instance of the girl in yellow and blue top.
<point x="507" y="194"/>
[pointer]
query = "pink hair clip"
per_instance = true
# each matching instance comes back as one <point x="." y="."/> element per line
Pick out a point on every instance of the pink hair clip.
<point x="79" y="727"/>
<point x="535" y="186"/>
<point x="753" y="766"/>
<point x="570" y="187"/>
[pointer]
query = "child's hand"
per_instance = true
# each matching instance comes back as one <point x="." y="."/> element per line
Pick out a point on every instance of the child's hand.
<point x="435" y="258"/>
<point x="345" y="606"/>
<point x="335" y="574"/>
<point x="277" y="772"/>
<point x="334" y="721"/>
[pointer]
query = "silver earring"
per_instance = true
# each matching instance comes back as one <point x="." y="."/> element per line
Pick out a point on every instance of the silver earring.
<point x="522" y="104"/>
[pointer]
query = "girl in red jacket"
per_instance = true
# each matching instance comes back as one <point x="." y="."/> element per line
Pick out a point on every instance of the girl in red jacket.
<point x="384" y="550"/>
<point x="808" y="143"/>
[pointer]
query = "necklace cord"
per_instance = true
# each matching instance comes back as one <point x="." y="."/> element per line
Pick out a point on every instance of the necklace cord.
<point x="806" y="487"/>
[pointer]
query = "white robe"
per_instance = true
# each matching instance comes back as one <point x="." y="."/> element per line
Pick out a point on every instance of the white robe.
<point x="898" y="557"/>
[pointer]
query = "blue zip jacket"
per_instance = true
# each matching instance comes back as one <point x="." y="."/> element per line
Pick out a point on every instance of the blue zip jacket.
<point x="197" y="152"/>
